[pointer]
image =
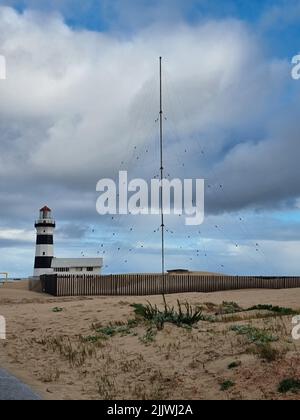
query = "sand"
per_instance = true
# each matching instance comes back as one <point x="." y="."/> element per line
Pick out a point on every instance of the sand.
<point x="57" y="354"/>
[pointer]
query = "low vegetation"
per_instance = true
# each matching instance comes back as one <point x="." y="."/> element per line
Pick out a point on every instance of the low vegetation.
<point x="228" y="308"/>
<point x="184" y="315"/>
<point x="111" y="330"/>
<point x="275" y="309"/>
<point x="149" y="336"/>
<point x="232" y="312"/>
<point x="289" y="385"/>
<point x="57" y="310"/>
<point x="254" y="335"/>
<point x="75" y="352"/>
<point x="267" y="352"/>
<point x="234" y="365"/>
<point x="225" y="386"/>
<point x="211" y="354"/>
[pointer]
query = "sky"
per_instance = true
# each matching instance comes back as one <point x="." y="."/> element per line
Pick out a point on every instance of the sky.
<point x="80" y="103"/>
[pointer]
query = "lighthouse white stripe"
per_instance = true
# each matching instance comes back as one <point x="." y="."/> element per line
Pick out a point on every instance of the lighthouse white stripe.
<point x="44" y="251"/>
<point x="45" y="230"/>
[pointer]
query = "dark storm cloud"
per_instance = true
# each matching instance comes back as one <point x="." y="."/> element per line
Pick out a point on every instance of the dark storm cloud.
<point x="263" y="174"/>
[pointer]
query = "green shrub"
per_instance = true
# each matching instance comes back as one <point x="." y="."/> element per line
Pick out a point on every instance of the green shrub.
<point x="112" y="330"/>
<point x="149" y="337"/>
<point x="225" y="386"/>
<point x="289" y="385"/>
<point x="234" y="365"/>
<point x="57" y="310"/>
<point x="185" y="315"/>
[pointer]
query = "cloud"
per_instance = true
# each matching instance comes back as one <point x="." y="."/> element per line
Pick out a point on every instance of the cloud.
<point x="269" y="169"/>
<point x="67" y="112"/>
<point x="72" y="231"/>
<point x="16" y="235"/>
<point x="281" y="13"/>
<point x="80" y="105"/>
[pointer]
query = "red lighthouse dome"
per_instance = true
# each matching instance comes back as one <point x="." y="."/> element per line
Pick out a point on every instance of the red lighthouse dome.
<point x="46" y="208"/>
<point x="45" y="213"/>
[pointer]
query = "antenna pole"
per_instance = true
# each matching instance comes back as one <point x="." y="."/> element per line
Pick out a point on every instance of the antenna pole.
<point x="161" y="179"/>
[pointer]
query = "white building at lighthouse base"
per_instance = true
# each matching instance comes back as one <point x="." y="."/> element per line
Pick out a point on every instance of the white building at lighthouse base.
<point x="77" y="266"/>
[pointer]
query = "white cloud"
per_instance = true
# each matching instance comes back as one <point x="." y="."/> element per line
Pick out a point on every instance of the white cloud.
<point x="71" y="99"/>
<point x="20" y="235"/>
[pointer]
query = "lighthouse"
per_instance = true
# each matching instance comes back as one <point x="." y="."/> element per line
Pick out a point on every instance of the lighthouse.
<point x="45" y="262"/>
<point x="44" y="253"/>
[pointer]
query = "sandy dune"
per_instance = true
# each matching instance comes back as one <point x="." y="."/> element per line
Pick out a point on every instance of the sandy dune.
<point x="56" y="352"/>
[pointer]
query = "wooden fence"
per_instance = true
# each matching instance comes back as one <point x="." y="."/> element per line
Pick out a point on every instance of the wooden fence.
<point x="147" y="285"/>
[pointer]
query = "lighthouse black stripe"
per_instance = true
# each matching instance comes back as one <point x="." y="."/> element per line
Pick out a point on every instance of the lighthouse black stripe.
<point x="45" y="225"/>
<point x="43" y="262"/>
<point x="44" y="240"/>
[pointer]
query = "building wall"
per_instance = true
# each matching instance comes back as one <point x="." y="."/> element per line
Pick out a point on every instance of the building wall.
<point x="72" y="270"/>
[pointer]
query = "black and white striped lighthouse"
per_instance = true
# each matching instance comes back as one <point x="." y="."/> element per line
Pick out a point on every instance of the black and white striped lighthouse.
<point x="45" y="226"/>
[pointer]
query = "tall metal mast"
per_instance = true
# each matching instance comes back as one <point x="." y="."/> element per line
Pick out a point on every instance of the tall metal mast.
<point x="162" y="175"/>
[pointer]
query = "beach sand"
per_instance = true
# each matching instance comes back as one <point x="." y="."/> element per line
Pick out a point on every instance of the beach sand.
<point x="53" y="347"/>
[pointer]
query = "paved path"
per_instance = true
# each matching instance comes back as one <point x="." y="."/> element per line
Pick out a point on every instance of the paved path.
<point x="12" y="389"/>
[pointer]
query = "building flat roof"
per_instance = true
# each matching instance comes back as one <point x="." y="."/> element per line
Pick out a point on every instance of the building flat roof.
<point x="76" y="262"/>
